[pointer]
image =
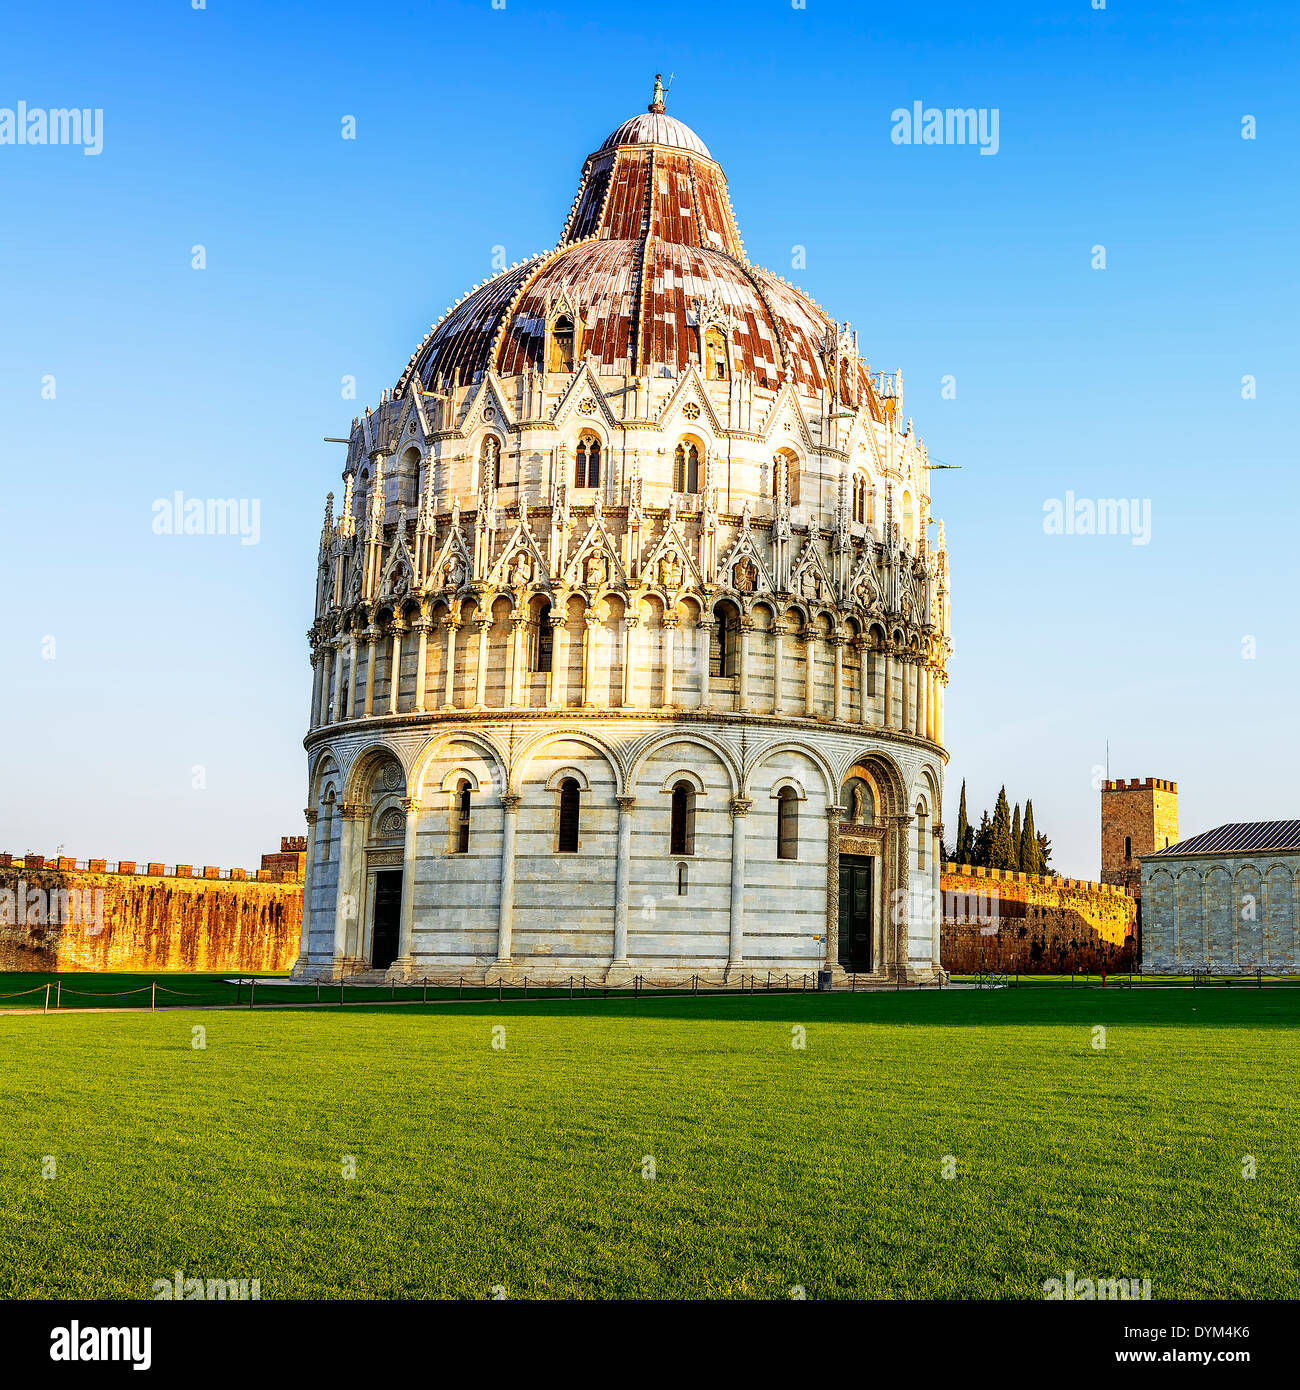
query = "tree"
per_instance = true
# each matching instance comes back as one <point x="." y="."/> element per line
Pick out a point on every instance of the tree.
<point x="963" y="829"/>
<point x="1002" y="854"/>
<point x="982" y="845"/>
<point x="1029" y="861"/>
<point x="1044" y="855"/>
<point x="1015" y="836"/>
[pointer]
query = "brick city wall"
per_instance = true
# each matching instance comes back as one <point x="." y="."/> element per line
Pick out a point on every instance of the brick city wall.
<point x="63" y="915"/>
<point x="997" y="920"/>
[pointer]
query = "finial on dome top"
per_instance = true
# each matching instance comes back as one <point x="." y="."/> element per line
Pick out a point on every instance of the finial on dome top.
<point x="657" y="100"/>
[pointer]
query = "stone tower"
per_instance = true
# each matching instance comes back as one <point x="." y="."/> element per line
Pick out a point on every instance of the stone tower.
<point x="631" y="638"/>
<point x="1137" y="818"/>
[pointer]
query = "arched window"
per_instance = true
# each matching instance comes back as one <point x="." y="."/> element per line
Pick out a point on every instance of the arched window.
<point x="490" y="465"/>
<point x="686" y="468"/>
<point x="786" y="472"/>
<point x="543" y="638"/>
<point x="859" y="498"/>
<point x="682" y="881"/>
<point x="562" y="345"/>
<point x="787" y="824"/>
<point x="569" y="814"/>
<point x="715" y="355"/>
<point x="462" y="817"/>
<point x="722" y="650"/>
<point x="921" y="829"/>
<point x="683" y="826"/>
<point x="586" y="471"/>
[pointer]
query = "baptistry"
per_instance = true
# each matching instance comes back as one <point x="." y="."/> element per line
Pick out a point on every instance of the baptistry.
<point x="631" y="636"/>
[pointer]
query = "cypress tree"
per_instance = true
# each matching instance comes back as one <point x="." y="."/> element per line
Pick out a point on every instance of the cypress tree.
<point x="1015" y="836"/>
<point x="963" y="829"/>
<point x="1002" y="854"/>
<point x="1029" y="843"/>
<point x="982" y="846"/>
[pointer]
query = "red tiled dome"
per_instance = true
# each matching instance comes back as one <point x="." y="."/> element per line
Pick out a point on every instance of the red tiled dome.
<point x="650" y="244"/>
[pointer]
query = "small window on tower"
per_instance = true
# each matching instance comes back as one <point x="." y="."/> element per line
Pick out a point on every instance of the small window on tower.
<point x="562" y="345"/>
<point x="462" y="818"/>
<point x="570" y="804"/>
<point x="715" y="354"/>
<point x="544" y="639"/>
<point x="586" y="469"/>
<point x="686" y="468"/>
<point x="1128" y="847"/>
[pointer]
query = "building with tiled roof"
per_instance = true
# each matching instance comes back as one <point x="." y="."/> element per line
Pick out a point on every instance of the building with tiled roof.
<point x="1226" y="900"/>
<point x="631" y="635"/>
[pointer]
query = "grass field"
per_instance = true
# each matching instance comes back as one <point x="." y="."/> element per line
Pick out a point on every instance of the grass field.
<point x="774" y="1167"/>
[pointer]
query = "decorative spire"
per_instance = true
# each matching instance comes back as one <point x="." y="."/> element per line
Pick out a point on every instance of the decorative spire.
<point x="656" y="106"/>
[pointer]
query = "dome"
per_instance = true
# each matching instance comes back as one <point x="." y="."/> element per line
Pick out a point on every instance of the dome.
<point x="655" y="129"/>
<point x="649" y="258"/>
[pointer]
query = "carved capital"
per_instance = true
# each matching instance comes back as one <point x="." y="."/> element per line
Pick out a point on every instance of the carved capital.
<point x="354" y="810"/>
<point x="310" y="816"/>
<point x="557" y="621"/>
<point x="625" y="803"/>
<point x="411" y="805"/>
<point x="510" y="802"/>
<point x="740" y="805"/>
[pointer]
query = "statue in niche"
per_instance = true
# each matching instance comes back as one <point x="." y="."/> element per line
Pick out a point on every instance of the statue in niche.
<point x="811" y="584"/>
<point x="523" y="571"/>
<point x="597" y="570"/>
<point x="857" y="812"/>
<point x="399" y="579"/>
<point x="670" y="570"/>
<point x="745" y="576"/>
<point x="453" y="573"/>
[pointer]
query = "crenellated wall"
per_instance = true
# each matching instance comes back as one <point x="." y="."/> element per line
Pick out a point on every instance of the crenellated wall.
<point x="59" y="915"/>
<point x="997" y="920"/>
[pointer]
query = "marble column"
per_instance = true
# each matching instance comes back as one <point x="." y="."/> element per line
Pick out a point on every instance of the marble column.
<point x="810" y="675"/>
<point x="395" y="668"/>
<point x="480" y="676"/>
<point x="590" y="658"/>
<point x="865" y="657"/>
<point x="619" y="966"/>
<point x="421" y="664"/>
<point x="831" y="954"/>
<point x="309" y="881"/>
<point x="736" y="947"/>
<point x="887" y="689"/>
<point x="347" y="908"/>
<point x="350" y="697"/>
<point x="450" y="626"/>
<point x="336" y="712"/>
<point x="742" y="657"/>
<point x="703" y="645"/>
<point x="372" y="642"/>
<point x="896" y="856"/>
<point x="669" y="630"/>
<point x="837" y="644"/>
<point x="518" y="625"/>
<point x="406" y="917"/>
<point x="559" y="660"/>
<point x="779" y="631"/>
<point x="630" y="621"/>
<point x="318" y="687"/>
<point x="506" y="912"/>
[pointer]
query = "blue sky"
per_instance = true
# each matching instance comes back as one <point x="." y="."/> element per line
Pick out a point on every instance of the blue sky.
<point x="327" y="258"/>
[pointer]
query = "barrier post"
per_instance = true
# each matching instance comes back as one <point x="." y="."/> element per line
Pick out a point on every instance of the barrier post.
<point x="252" y="990"/>
<point x="239" y="989"/>
<point x="153" y="994"/>
<point x="58" y="993"/>
<point x="424" y="993"/>
<point x="46" y="1009"/>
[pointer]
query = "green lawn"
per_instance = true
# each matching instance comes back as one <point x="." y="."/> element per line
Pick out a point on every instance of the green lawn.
<point x="774" y="1166"/>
